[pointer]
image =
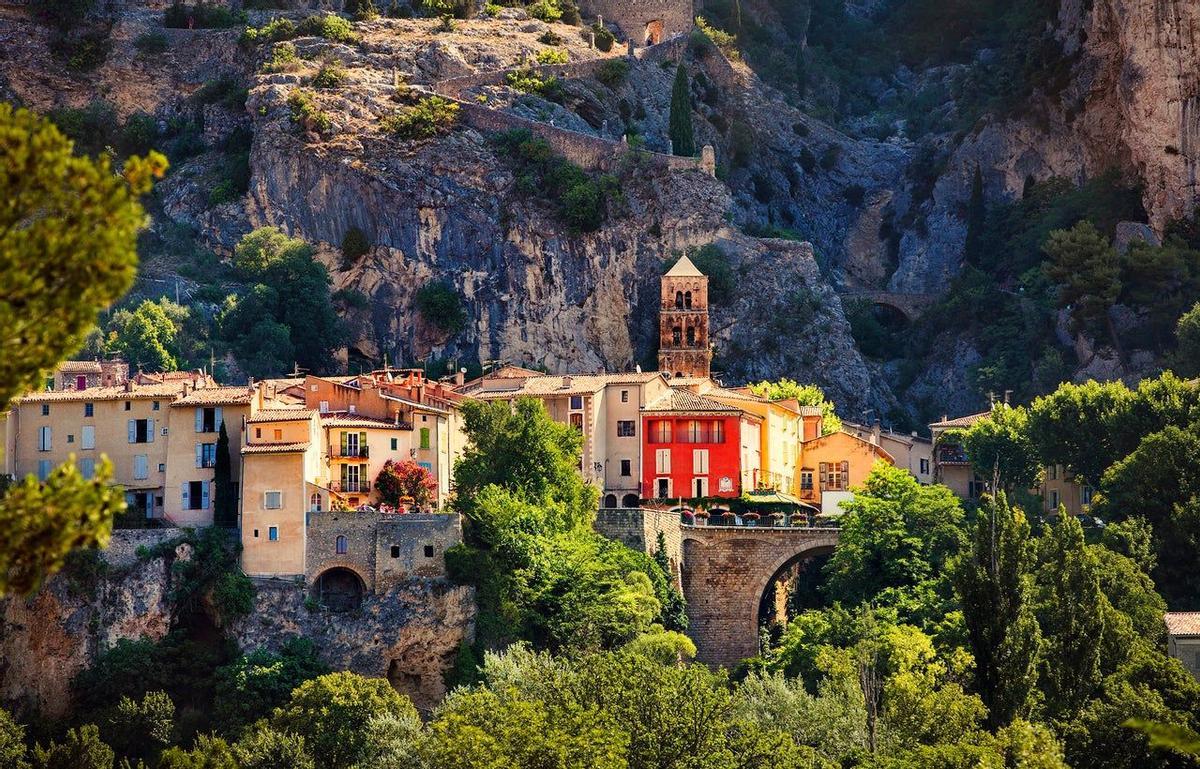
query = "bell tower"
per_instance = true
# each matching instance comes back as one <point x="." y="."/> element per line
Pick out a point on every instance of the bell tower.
<point x="683" y="346"/>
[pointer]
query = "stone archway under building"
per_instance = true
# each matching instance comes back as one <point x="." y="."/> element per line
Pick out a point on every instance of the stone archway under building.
<point x="339" y="589"/>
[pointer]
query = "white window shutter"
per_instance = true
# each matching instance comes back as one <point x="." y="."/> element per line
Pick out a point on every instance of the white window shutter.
<point x="199" y="455"/>
<point x="204" y="496"/>
<point x="199" y="419"/>
<point x="150" y="431"/>
<point x="89" y="437"/>
<point x="217" y="420"/>
<point x="132" y="431"/>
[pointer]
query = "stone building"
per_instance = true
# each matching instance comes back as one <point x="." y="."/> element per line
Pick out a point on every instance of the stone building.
<point x="643" y="22"/>
<point x="1183" y="638"/>
<point x="683" y="348"/>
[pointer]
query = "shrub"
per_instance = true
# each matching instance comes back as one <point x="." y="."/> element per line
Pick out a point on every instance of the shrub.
<point x="149" y="43"/>
<point x="604" y="38"/>
<point x="83" y="52"/>
<point x="354" y="244"/>
<point x="718" y="37"/>
<point x="570" y="12"/>
<point x="331" y="75"/>
<point x="273" y="31"/>
<point x="545" y="10"/>
<point x="552" y="56"/>
<point x="430" y="117"/>
<point x="224" y="90"/>
<point x="493" y="10"/>
<point x="831" y="156"/>
<point x="808" y="161"/>
<point x="139" y="134"/>
<point x="549" y="37"/>
<point x="441" y="305"/>
<point x="328" y="26"/>
<point x="306" y="113"/>
<point x="283" y="59"/>
<point x="854" y="194"/>
<point x="362" y="10"/>
<point x="613" y="72"/>
<point x="528" y="81"/>
<point x="201" y="16"/>
<point x="92" y="128"/>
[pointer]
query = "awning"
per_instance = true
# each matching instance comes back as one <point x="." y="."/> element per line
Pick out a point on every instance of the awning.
<point x="775" y="498"/>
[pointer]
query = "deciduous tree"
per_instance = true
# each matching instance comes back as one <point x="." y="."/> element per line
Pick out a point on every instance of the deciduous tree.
<point x="398" y="480"/>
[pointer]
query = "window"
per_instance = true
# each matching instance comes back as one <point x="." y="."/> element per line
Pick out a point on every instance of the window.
<point x="662" y="461"/>
<point x="701" y="487"/>
<point x="677" y="336"/>
<point x="429" y="551"/>
<point x="206" y="455"/>
<point x="156" y="406"/>
<point x="324" y="407"/>
<point x="208" y="420"/>
<point x="195" y="495"/>
<point x="924" y="466"/>
<point x="806" y="480"/>
<point x="576" y="402"/>
<point x="425" y="437"/>
<point x="273" y="533"/>
<point x="141" y="430"/>
<point x="1053" y="501"/>
<point x="679" y="300"/>
<point x="1054" y="472"/>
<point x="687" y="300"/>
<point x="691" y="336"/>
<point x="1085" y="495"/>
<point x="664" y="488"/>
<point x="352" y="408"/>
<point x="89" y="409"/>
<point x="43" y="469"/>
<point x="44" y="438"/>
<point x="577" y="421"/>
<point x="256" y="533"/>
<point x="273" y="500"/>
<point x="128" y="406"/>
<point x="87" y="437"/>
<point x="624" y="396"/>
<point x="353" y="444"/>
<point x="314" y="503"/>
<point x="395" y="551"/>
<point x="700" y="463"/>
<point x="70" y="437"/>
<point x="258" y="432"/>
<point x="626" y="468"/>
<point x="626" y="428"/>
<point x="45" y="409"/>
<point x="660" y="431"/>
<point x="162" y="467"/>
<point x="278" y="434"/>
<point x="395" y="443"/>
<point x="835" y="476"/>
<point x="339" y="545"/>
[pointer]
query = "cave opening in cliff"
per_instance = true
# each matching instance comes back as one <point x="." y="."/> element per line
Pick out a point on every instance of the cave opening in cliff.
<point x="339" y="590"/>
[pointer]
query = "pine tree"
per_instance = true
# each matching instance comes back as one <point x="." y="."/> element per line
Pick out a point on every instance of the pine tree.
<point x="225" y="507"/>
<point x="683" y="135"/>
<point x="674" y="608"/>
<point x="1086" y="268"/>
<point x="993" y="586"/>
<point x="976" y="220"/>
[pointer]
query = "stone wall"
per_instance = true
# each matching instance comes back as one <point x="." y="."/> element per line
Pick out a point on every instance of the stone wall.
<point x="633" y="16"/>
<point x="639" y="530"/>
<point x="383" y="550"/>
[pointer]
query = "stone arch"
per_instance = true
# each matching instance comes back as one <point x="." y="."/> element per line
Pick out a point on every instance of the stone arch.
<point x="339" y="589"/>
<point x="630" y="500"/>
<point x="687" y="300"/>
<point x="610" y="501"/>
<point x="679" y="300"/>
<point x="781" y="565"/>
<point x="654" y="32"/>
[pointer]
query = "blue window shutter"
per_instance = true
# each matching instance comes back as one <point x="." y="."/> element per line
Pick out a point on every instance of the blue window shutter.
<point x="185" y="495"/>
<point x="199" y="455"/>
<point x="149" y="431"/>
<point x="199" y="419"/>
<point x="132" y="431"/>
<point x="217" y="420"/>
<point x="204" y="496"/>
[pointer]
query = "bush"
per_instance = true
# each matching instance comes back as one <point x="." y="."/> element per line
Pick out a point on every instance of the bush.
<point x="354" y="245"/>
<point x="549" y="37"/>
<point x="201" y="16"/>
<point x="306" y="113"/>
<point x="604" y="38"/>
<point x="528" y="81"/>
<point x="283" y="59"/>
<point x="273" y="31"/>
<point x="718" y="37"/>
<point x="570" y="12"/>
<point x="139" y="134"/>
<point x="441" y="305"/>
<point x="362" y="10"/>
<point x="545" y="10"/>
<point x="583" y="201"/>
<point x="149" y="43"/>
<point x="224" y="90"/>
<point x="329" y="27"/>
<point x="854" y="194"/>
<point x="430" y="117"/>
<point x="552" y="56"/>
<point x="331" y="75"/>
<point x="808" y="161"/>
<point x="92" y="128"/>
<point x="831" y="156"/>
<point x="83" y="52"/>
<point x="613" y="72"/>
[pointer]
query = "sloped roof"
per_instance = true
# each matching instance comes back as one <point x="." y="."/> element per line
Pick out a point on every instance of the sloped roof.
<point x="684" y="269"/>
<point x="1182" y="622"/>
<point x="547" y="385"/>
<point x="680" y="400"/>
<point x="282" y="415"/>
<point x="355" y="420"/>
<point x="878" y="449"/>
<point x="137" y="392"/>
<point x="275" y="448"/>
<point x="966" y="421"/>
<point x="79" y="367"/>
<point x="216" y="396"/>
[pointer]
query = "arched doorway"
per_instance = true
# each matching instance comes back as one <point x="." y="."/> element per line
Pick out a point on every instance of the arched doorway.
<point x="610" y="501"/>
<point x="630" y="500"/>
<point x="654" y="32"/>
<point x="339" y="589"/>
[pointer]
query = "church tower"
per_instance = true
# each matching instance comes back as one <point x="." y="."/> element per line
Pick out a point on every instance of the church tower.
<point x="683" y="346"/>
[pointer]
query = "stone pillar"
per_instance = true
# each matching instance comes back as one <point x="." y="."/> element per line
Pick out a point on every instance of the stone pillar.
<point x="708" y="160"/>
<point x="629" y="48"/>
<point x="591" y="39"/>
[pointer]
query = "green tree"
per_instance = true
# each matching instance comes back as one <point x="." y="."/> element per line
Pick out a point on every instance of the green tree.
<point x="68" y="229"/>
<point x="265" y="748"/>
<point x="147" y="338"/>
<point x="258" y="682"/>
<point x="896" y="542"/>
<point x="406" y="479"/>
<point x="994" y="588"/>
<point x="674" y="608"/>
<point x="1085" y="266"/>
<point x="1000" y="445"/>
<point x="141" y="729"/>
<point x="1072" y="629"/>
<point x="441" y="305"/>
<point x="225" y="504"/>
<point x="80" y="749"/>
<point x="12" y="743"/>
<point x="681" y="131"/>
<point x="805" y="395"/>
<point x="332" y="712"/>
<point x="209" y="752"/>
<point x="1187" y="339"/>
<point x="1073" y="426"/>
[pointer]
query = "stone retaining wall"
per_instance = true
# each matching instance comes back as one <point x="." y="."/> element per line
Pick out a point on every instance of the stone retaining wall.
<point x="638" y="528"/>
<point x="384" y="550"/>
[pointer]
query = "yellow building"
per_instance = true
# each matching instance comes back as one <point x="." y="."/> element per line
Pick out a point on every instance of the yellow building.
<point x="127" y="424"/>
<point x="195" y="422"/>
<point x="832" y="465"/>
<point x="779" y="436"/>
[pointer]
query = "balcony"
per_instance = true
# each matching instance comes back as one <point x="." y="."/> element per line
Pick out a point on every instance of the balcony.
<point x="350" y="487"/>
<point x="350" y="452"/>
<point x="952" y="455"/>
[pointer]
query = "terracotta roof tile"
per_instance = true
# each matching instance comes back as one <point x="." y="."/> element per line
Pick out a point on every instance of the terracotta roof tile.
<point x="282" y="415"/>
<point x="79" y="367"/>
<point x="275" y="448"/>
<point x="351" y="420"/>
<point x="966" y="421"/>
<point x="678" y="399"/>
<point x="550" y="385"/>
<point x="215" y="396"/>
<point x="1182" y="622"/>
<point x="163" y="391"/>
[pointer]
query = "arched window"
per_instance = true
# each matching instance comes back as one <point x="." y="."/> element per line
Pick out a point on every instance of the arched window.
<point x="677" y="335"/>
<point x="340" y="545"/>
<point x="679" y="299"/>
<point x="687" y="300"/>
<point x="691" y="337"/>
<point x="630" y="500"/>
<point x="314" y="503"/>
<point x="610" y="501"/>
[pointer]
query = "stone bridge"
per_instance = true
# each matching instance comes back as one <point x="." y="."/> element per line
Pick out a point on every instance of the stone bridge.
<point x="723" y="571"/>
<point x="910" y="305"/>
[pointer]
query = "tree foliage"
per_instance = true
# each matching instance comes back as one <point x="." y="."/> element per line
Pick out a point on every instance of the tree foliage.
<point x="405" y="480"/>
<point x="803" y="394"/>
<point x="682" y="133"/>
<point x="999" y="445"/>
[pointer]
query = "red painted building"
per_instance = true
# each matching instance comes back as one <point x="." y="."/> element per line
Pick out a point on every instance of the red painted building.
<point x="694" y="446"/>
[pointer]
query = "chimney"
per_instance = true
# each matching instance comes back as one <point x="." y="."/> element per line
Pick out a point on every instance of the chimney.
<point x="185" y="388"/>
<point x="128" y="385"/>
<point x="566" y="382"/>
<point x="460" y="377"/>
<point x="876" y="431"/>
<point x="810" y="424"/>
